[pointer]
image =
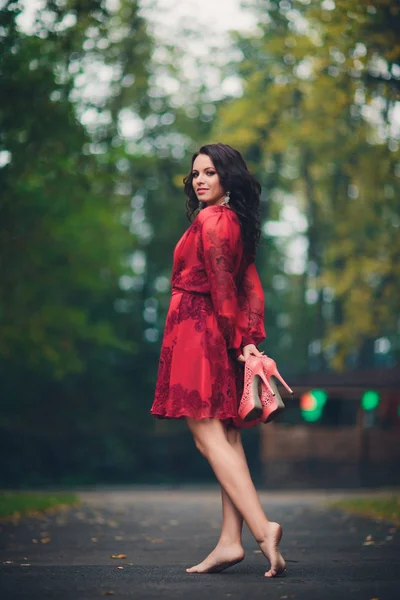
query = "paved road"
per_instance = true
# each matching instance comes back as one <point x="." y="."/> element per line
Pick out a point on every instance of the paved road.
<point x="68" y="555"/>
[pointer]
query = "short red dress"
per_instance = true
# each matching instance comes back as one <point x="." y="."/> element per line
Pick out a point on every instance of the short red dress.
<point x="216" y="308"/>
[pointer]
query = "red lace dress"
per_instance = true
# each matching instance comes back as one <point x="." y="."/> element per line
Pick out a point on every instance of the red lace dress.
<point x="216" y="308"/>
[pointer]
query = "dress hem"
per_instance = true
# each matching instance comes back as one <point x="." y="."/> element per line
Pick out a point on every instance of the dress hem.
<point x="184" y="415"/>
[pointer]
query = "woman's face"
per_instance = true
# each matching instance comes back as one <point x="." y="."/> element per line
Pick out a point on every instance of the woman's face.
<point x="206" y="182"/>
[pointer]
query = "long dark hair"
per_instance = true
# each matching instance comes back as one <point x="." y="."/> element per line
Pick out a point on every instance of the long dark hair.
<point x="243" y="187"/>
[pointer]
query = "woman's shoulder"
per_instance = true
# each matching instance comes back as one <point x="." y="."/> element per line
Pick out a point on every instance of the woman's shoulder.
<point x="217" y="213"/>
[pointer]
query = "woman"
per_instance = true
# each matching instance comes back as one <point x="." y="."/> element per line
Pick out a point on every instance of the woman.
<point x="214" y="323"/>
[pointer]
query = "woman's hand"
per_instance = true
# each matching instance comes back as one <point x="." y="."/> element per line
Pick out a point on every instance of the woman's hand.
<point x="249" y="350"/>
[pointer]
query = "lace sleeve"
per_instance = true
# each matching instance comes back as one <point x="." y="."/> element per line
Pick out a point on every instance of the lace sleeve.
<point x="254" y="329"/>
<point x="221" y="245"/>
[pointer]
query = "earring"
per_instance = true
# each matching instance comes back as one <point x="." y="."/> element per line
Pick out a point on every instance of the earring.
<point x="226" y="199"/>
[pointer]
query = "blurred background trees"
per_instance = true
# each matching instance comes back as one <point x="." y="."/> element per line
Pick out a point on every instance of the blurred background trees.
<point x="319" y="118"/>
<point x="99" y="118"/>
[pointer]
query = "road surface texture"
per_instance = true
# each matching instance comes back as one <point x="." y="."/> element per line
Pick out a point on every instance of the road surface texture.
<point x="158" y="533"/>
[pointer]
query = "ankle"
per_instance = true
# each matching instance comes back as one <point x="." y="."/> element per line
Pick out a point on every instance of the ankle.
<point x="264" y="533"/>
<point x="229" y="541"/>
<point x="272" y="531"/>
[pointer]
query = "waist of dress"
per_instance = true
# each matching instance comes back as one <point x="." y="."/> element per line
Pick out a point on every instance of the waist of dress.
<point x="177" y="290"/>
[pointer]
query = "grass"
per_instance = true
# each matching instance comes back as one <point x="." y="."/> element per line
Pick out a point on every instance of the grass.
<point x="387" y="508"/>
<point x="17" y="504"/>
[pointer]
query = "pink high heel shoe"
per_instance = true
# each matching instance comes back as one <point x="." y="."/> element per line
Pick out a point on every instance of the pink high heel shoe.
<point x="250" y="407"/>
<point x="272" y="402"/>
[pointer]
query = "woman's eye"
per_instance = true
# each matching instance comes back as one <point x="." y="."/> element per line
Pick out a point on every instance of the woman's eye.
<point x="211" y="173"/>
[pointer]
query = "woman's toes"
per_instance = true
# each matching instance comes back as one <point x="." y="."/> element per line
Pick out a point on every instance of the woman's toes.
<point x="218" y="560"/>
<point x="196" y="568"/>
<point x="269" y="573"/>
<point x="276" y="570"/>
<point x="274" y="573"/>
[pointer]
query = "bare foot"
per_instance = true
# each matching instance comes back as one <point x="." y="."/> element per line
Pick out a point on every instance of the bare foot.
<point x="219" y="559"/>
<point x="270" y="549"/>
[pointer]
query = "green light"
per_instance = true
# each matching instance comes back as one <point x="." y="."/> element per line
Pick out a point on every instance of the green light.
<point x="311" y="415"/>
<point x="370" y="400"/>
<point x="320" y="396"/>
<point x="310" y="411"/>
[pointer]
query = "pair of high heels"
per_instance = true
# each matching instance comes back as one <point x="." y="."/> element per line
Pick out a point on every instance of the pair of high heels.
<point x="261" y="400"/>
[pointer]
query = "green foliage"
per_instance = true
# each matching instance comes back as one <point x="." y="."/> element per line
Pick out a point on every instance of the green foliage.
<point x="93" y="152"/>
<point x="66" y="351"/>
<point x="386" y="508"/>
<point x="17" y="504"/>
<point x="317" y="115"/>
<point x="61" y="237"/>
<point x="90" y="211"/>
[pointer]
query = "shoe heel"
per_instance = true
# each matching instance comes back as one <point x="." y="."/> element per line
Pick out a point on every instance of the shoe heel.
<point x="265" y="380"/>
<point x="283" y="382"/>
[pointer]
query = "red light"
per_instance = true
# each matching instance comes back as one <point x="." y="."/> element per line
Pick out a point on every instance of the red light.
<point x="308" y="402"/>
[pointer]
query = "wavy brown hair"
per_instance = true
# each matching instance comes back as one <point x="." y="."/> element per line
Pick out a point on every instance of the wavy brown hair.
<point x="243" y="187"/>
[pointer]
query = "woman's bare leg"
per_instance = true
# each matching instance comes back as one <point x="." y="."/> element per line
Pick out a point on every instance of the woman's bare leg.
<point x="233" y="474"/>
<point x="232" y="520"/>
<point x="229" y="550"/>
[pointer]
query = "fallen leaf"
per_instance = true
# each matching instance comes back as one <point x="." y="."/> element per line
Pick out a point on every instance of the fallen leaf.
<point x="257" y="551"/>
<point x="118" y="555"/>
<point x="107" y="593"/>
<point x="118" y="537"/>
<point x="45" y="540"/>
<point x="121" y="568"/>
<point x="369" y="541"/>
<point x="94" y="539"/>
<point x="112" y="523"/>
<point x="25" y="564"/>
<point x="100" y="521"/>
<point x="35" y="541"/>
<point x="157" y="540"/>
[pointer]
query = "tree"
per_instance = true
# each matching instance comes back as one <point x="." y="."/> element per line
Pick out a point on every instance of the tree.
<point x="64" y="245"/>
<point x="93" y="155"/>
<point x="317" y="114"/>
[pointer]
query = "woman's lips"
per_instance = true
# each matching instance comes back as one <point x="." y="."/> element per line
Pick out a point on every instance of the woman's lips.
<point x="201" y="191"/>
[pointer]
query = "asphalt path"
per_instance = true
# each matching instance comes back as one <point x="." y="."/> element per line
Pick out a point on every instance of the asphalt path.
<point x="156" y="534"/>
